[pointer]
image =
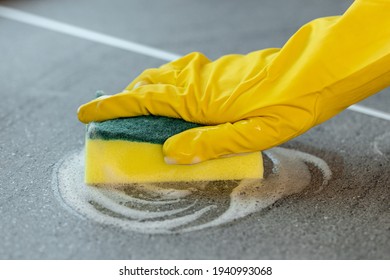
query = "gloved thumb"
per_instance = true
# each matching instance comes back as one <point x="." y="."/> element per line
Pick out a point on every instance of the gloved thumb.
<point x="211" y="142"/>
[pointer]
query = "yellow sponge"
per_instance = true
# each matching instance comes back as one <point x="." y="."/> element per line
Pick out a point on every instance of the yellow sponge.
<point x="129" y="150"/>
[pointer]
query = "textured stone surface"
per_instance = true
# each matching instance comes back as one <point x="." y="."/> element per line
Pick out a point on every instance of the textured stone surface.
<point x="46" y="76"/>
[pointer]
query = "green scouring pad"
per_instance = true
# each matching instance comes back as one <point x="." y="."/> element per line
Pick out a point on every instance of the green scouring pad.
<point x="129" y="150"/>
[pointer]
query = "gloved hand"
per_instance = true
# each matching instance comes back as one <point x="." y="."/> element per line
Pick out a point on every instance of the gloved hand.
<point x="262" y="99"/>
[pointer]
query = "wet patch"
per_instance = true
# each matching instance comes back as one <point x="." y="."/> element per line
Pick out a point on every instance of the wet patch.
<point x="187" y="206"/>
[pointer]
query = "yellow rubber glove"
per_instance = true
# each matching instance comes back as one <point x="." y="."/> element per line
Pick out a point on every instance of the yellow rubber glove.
<point x="265" y="98"/>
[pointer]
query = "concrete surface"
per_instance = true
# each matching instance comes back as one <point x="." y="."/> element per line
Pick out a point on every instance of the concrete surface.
<point x="45" y="76"/>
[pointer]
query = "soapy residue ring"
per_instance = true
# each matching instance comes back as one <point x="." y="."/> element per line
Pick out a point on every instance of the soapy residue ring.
<point x="183" y="207"/>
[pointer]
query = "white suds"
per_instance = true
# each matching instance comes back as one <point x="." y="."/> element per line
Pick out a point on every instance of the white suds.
<point x="183" y="207"/>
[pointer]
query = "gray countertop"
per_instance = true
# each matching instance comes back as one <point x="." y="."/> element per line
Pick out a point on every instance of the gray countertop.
<point x="46" y="75"/>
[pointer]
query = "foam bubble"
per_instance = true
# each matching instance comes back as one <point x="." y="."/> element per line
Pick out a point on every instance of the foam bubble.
<point x="182" y="207"/>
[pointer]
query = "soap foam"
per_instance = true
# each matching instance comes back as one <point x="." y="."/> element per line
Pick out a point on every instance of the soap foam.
<point x="184" y="206"/>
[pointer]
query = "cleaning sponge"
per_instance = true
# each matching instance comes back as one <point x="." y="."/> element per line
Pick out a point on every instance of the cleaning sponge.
<point x="129" y="150"/>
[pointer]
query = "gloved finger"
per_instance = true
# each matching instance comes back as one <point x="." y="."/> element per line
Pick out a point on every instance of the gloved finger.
<point x="153" y="99"/>
<point x="140" y="84"/>
<point x="210" y="142"/>
<point x="163" y="75"/>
